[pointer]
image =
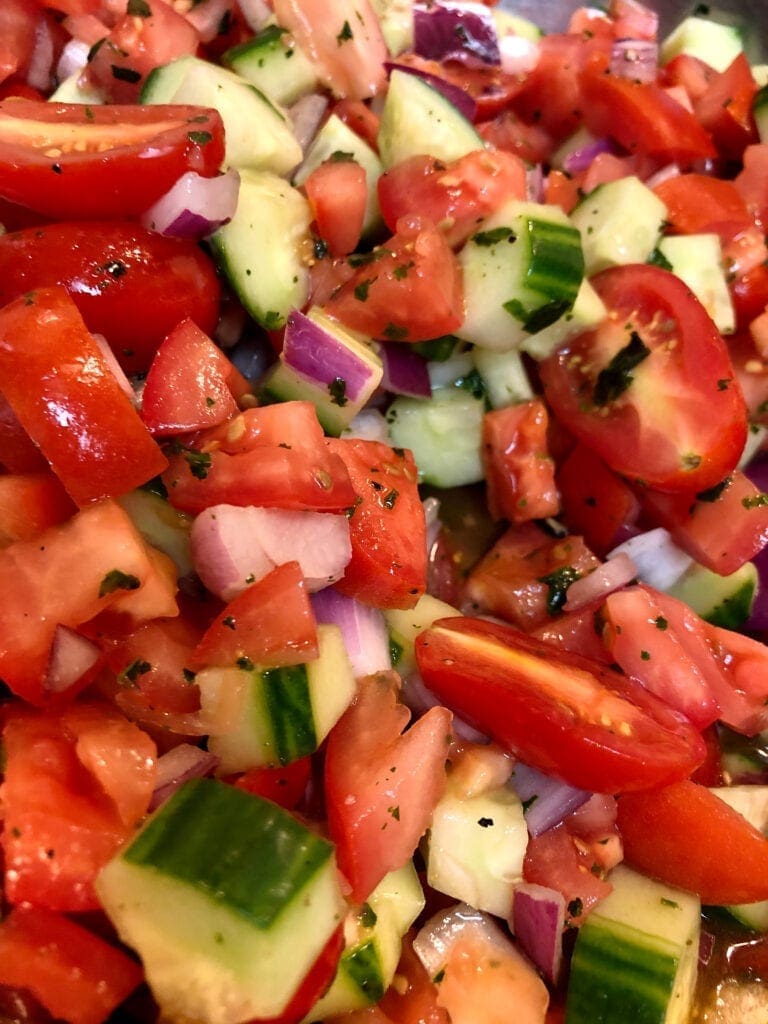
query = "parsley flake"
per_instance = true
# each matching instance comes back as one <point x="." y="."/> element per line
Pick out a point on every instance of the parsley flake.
<point x="116" y="579"/>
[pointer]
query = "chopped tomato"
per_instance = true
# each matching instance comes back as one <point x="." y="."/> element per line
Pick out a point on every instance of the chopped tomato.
<point x="387" y="529"/>
<point x="377" y="780"/>
<point x="409" y="290"/>
<point x="283" y="784"/>
<point x="564" y="714"/>
<point x="528" y="141"/>
<point x="130" y="284"/>
<point x="415" y="1001"/>
<point x="18" y="24"/>
<point x="360" y="118"/>
<point x="688" y="837"/>
<point x="743" y="698"/>
<point x="75" y="784"/>
<point x="270" y="623"/>
<point x="725" y="109"/>
<point x="75" y="161"/>
<point x="597" y="503"/>
<point x="58" y="383"/>
<point x="190" y="384"/>
<point x="690" y="73"/>
<point x="338" y="195"/>
<point x="18" y="452"/>
<point x="751" y="185"/>
<point x="525" y="576"/>
<point x="455" y="196"/>
<point x="77" y="976"/>
<point x="651" y="390"/>
<point x="137" y="45"/>
<point x="698" y="203"/>
<point x="519" y="472"/>
<point x="29" y="504"/>
<point x="286" y="424"/>
<point x="557" y="860"/>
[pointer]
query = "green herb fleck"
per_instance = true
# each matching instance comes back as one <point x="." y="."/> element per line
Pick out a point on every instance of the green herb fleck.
<point x="345" y="35"/>
<point x="138" y="9"/>
<point x="229" y="621"/>
<point x="245" y="663"/>
<point x="125" y="74"/>
<point x="116" y="579"/>
<point x="669" y="903"/>
<point x="368" y="916"/>
<point x="394" y="812"/>
<point x="395" y="333"/>
<point x="645" y="655"/>
<point x="658" y="259"/>
<point x="361" y="290"/>
<point x="200" y="138"/>
<point x="660" y="622"/>
<point x="131" y="672"/>
<point x="614" y="379"/>
<point x="755" y="501"/>
<point x="558" y="583"/>
<point x="488" y="238"/>
<point x="337" y="389"/>
<point x="339" y="156"/>
<point x="401" y="270"/>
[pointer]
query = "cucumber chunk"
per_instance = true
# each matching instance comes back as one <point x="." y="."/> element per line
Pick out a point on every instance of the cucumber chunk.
<point x="275" y="65"/>
<point x="405" y="625"/>
<point x="698" y="260"/>
<point x="228" y="900"/>
<point x="717" y="45"/>
<point x="752" y="803"/>
<point x="636" y="955"/>
<point x="161" y="525"/>
<point x="722" y="600"/>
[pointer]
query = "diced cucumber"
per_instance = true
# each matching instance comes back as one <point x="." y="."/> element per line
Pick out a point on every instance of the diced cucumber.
<point x="698" y="260"/>
<point x="717" y="45"/>
<point x="258" y="135"/>
<point x="70" y="90"/>
<point x="760" y="75"/>
<point x="282" y="714"/>
<point x="405" y="626"/>
<point x="508" y="24"/>
<point x="752" y="803"/>
<point x="274" y="63"/>
<point x="396" y="20"/>
<point x="228" y="900"/>
<point x="635" y="956"/>
<point x="476" y="847"/>
<point x="264" y="250"/>
<point x="522" y="272"/>
<point x="722" y="600"/>
<point x="161" y="525"/>
<point x="760" y="112"/>
<point x="335" y="410"/>
<point x="504" y="375"/>
<point x="620" y="222"/>
<point x="373" y="939"/>
<point x="444" y="433"/>
<point x="336" y="137"/>
<point x="417" y="119"/>
<point x="588" y="310"/>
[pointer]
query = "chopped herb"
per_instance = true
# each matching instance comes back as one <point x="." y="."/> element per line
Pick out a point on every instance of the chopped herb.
<point x="361" y="290"/>
<point x="755" y="501"/>
<point x="345" y="35"/>
<point x="615" y="378"/>
<point x="395" y="650"/>
<point x="388" y="501"/>
<point x="132" y="672"/>
<point x="401" y="270"/>
<point x="558" y="583"/>
<point x="488" y="238"/>
<point x="368" y="916"/>
<point x="201" y="138"/>
<point x="713" y="493"/>
<point x="210" y="401"/>
<point x="394" y="812"/>
<point x="645" y="655"/>
<point x="575" y="907"/>
<point x="199" y="462"/>
<point x="669" y="903"/>
<point x="245" y="663"/>
<point x="473" y="383"/>
<point x="94" y="50"/>
<point x="337" y="389"/>
<point x="339" y="156"/>
<point x="125" y="74"/>
<point x="321" y="248"/>
<point x="660" y="622"/>
<point x="189" y="675"/>
<point x="485" y="822"/>
<point x="29" y="298"/>
<point x="395" y="333"/>
<point x="527" y="804"/>
<point x="658" y="259"/>
<point x="724" y="383"/>
<point x="229" y="621"/>
<point x="138" y="9"/>
<point x="535" y="320"/>
<point x="116" y="579"/>
<point x="439" y="976"/>
<point x="436" y="349"/>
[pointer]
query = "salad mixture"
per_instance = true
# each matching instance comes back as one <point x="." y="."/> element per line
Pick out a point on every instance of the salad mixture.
<point x="384" y="394"/>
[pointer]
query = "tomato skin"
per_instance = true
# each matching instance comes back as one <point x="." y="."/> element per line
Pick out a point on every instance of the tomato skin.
<point x="376" y="779"/>
<point x="387" y="528"/>
<point x="75" y="974"/>
<point x="550" y="707"/>
<point x="698" y="203"/>
<point x="338" y="195"/>
<point x="360" y="118"/>
<point x="506" y="131"/>
<point x="314" y="985"/>
<point x="130" y="284"/>
<point x="412" y="292"/>
<point x="69" y="401"/>
<point x="416" y="1002"/>
<point x="29" y="504"/>
<point x="725" y="109"/>
<point x="284" y="784"/>
<point x="18" y="22"/>
<point x="686" y="836"/>
<point x="679" y="423"/>
<point x="597" y="503"/>
<point x="555" y="860"/>
<point x="145" y="149"/>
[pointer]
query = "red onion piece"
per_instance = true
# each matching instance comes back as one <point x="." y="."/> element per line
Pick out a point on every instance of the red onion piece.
<point x="255" y="12"/>
<point x="663" y="174"/>
<point x="111" y="360"/>
<point x="534" y="184"/>
<point x="611" y="575"/>
<point x="405" y="372"/>
<point x="548" y="800"/>
<point x="208" y="16"/>
<point x="706" y="947"/>
<point x="538" y="919"/>
<point x="177" y="766"/>
<point x="636" y="59"/>
<point x="519" y="56"/>
<point x="306" y="116"/>
<point x="316" y="354"/>
<point x="72" y="656"/>
<point x="464" y="103"/>
<point x="363" y="628"/>
<point x="580" y="159"/>
<point x="40" y="71"/>
<point x="194" y="207"/>
<point x="453" y="31"/>
<point x="234" y="546"/>
<point x="658" y="560"/>
<point x="73" y="58"/>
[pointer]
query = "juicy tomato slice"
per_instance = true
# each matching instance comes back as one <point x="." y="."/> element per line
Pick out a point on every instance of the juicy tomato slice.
<point x="387" y="528"/>
<point x="688" y="837"/>
<point x="269" y="623"/>
<point x="338" y="195"/>
<point x="284" y="784"/>
<point x="528" y="141"/>
<point x="18" y="23"/>
<point x="286" y="424"/>
<point x="130" y="284"/>
<point x="415" y="1001"/>
<point x="698" y="203"/>
<point x="597" y="503"/>
<point x="29" y="504"/>
<point x="566" y="715"/>
<point x="60" y="386"/>
<point x="725" y="109"/>
<point x="554" y="859"/>
<point x="377" y="780"/>
<point x="73" y="161"/>
<point x="455" y="196"/>
<point x="651" y="390"/>
<point x="76" y="975"/>
<point x="409" y="290"/>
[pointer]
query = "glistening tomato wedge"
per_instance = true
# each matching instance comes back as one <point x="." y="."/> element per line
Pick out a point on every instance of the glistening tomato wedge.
<point x="70" y="160"/>
<point x="651" y="390"/>
<point x="564" y="714"/>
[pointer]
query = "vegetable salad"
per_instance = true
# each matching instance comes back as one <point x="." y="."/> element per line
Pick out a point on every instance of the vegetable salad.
<point x="383" y="514"/>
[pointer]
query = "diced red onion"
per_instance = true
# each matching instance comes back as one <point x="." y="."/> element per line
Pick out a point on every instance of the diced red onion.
<point x="637" y="59"/>
<point x="580" y="159"/>
<point x="435" y="940"/>
<point x="194" y="207"/>
<point x="306" y="116"/>
<point x="659" y="561"/>
<point x="234" y="546"/>
<point x="548" y="800"/>
<point x="316" y="354"/>
<point x="179" y="765"/>
<point x="255" y="12"/>
<point x="73" y="58"/>
<point x="453" y="31"/>
<point x="538" y="919"/>
<point x="405" y="371"/>
<point x="663" y="174"/>
<point x="72" y="656"/>
<point x="207" y="17"/>
<point x="40" y="71"/>
<point x="534" y="184"/>
<point x="611" y="575"/>
<point x="633" y="20"/>
<point x="519" y="56"/>
<point x="596" y="816"/>
<point x="363" y="628"/>
<point x="111" y="360"/>
<point x="706" y="947"/>
<point x="464" y="103"/>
